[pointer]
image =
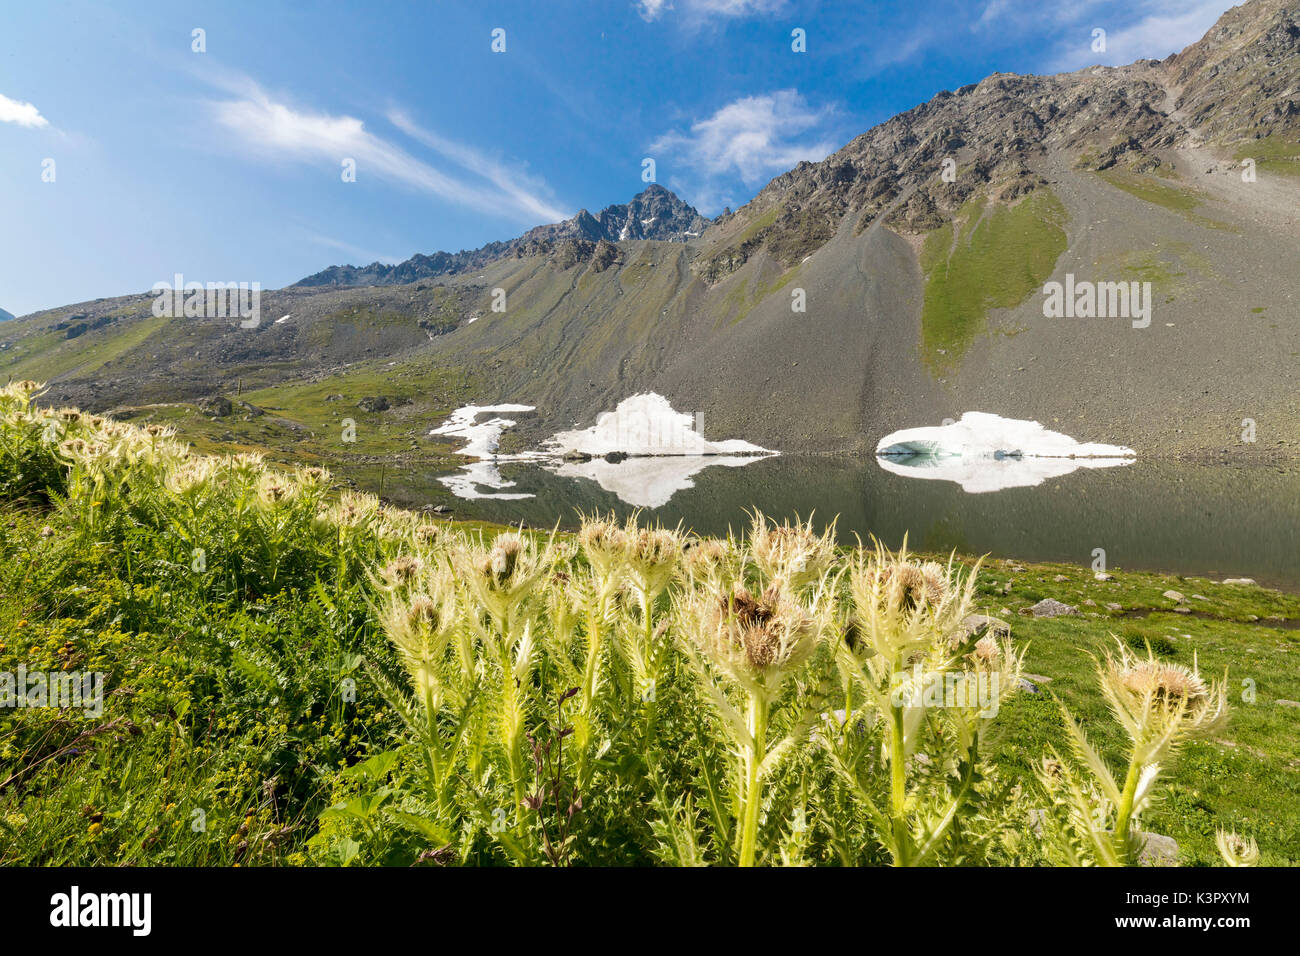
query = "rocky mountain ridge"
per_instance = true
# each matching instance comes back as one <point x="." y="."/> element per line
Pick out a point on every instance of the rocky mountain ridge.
<point x="654" y="213"/>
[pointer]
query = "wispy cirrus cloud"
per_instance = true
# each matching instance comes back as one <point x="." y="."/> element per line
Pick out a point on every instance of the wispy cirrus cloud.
<point x="358" y="253"/>
<point x="696" y="10"/>
<point x="524" y="189"/>
<point x="24" y="114"/>
<point x="1163" y="27"/>
<point x="277" y="131"/>
<point x="1135" y="29"/>
<point x="751" y="138"/>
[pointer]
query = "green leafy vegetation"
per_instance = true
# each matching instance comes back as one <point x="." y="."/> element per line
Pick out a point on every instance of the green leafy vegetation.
<point x="295" y="676"/>
<point x="989" y="257"/>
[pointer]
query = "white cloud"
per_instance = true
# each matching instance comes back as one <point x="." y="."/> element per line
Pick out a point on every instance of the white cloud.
<point x="280" y="132"/>
<point x="753" y="137"/>
<point x="1135" y="29"/>
<point x="1169" y="26"/>
<point x="24" y="114"/>
<point x="358" y="253"/>
<point x="524" y="189"/>
<point x="703" y="9"/>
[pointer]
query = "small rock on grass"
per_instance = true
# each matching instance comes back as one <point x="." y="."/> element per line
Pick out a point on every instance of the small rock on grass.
<point x="1174" y="596"/>
<point x="1103" y="576"/>
<point x="1158" y="851"/>
<point x="1115" y="607"/>
<point x="1288" y="703"/>
<point x="1245" y="582"/>
<point x="973" y="623"/>
<point x="1050" y="607"/>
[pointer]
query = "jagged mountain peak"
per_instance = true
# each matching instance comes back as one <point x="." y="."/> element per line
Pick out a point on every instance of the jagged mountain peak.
<point x="654" y="213"/>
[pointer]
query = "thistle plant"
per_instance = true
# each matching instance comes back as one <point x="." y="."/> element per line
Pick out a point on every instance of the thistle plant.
<point x="1236" y="850"/>
<point x="604" y="544"/>
<point x="419" y="613"/>
<point x="755" y="644"/>
<point x="501" y="582"/>
<point x="652" y="555"/>
<point x="927" y="685"/>
<point x="792" y="555"/>
<point x="1160" y="706"/>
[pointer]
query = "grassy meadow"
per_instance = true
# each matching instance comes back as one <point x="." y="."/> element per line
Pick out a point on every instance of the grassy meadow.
<point x="297" y="674"/>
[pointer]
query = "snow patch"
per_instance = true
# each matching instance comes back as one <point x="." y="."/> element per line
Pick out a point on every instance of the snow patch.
<point x="984" y="452"/>
<point x="481" y="438"/>
<point x="646" y="425"/>
<point x="667" y="451"/>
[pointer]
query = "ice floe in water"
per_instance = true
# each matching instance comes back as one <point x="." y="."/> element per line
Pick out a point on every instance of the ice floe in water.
<point x="663" y="450"/>
<point x="984" y="452"/>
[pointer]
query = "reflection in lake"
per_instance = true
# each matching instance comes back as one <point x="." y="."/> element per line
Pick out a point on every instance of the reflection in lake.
<point x="1213" y="520"/>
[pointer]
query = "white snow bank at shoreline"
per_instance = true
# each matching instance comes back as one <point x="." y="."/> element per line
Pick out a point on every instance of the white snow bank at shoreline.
<point x="481" y="438"/>
<point x="665" y="451"/>
<point x="981" y="435"/>
<point x="646" y="425"/>
<point x="984" y="452"/>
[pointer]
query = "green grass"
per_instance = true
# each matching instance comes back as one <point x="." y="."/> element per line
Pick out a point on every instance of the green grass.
<point x="987" y="258"/>
<point x="1180" y="199"/>
<point x="1246" y="777"/>
<point x="1272" y="154"/>
<point x="302" y="425"/>
<point x="50" y="355"/>
<point x="1170" y="269"/>
<point x="741" y="300"/>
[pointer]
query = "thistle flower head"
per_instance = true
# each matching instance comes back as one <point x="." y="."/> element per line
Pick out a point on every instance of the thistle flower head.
<point x="757" y="640"/>
<point x="652" y="559"/>
<point x="604" y="543"/>
<point x="794" y="554"/>
<point x="904" y="607"/>
<point x="401" y="571"/>
<point x="987" y="652"/>
<point x="421" y="626"/>
<point x="1159" y="703"/>
<point x="1236" y="850"/>
<point x="501" y="577"/>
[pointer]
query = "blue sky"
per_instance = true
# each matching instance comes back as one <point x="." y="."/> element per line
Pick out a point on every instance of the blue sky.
<point x="226" y="165"/>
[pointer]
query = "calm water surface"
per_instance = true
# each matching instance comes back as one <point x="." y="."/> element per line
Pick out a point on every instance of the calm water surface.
<point x="1205" y="520"/>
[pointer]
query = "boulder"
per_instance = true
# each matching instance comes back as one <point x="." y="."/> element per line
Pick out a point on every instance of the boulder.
<point x="1158" y="850"/>
<point x="217" y="406"/>
<point x="1243" y="582"/>
<point x="975" y="623"/>
<point x="1050" y="607"/>
<point x="374" y="403"/>
<point x="1175" y="596"/>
